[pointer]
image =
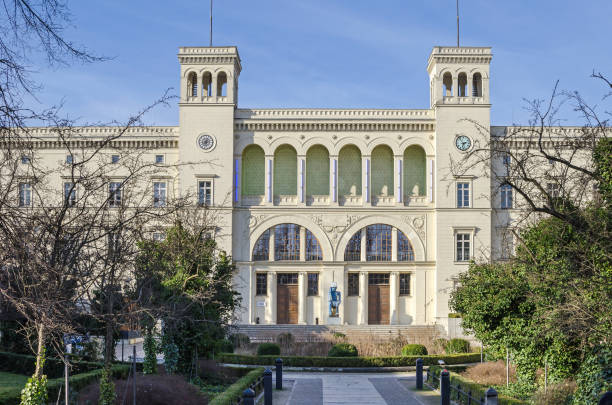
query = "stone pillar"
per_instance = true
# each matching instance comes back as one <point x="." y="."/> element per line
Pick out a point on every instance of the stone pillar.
<point x="430" y="178"/>
<point x="393" y="297"/>
<point x="398" y="178"/>
<point x="302" y="285"/>
<point x="394" y="244"/>
<point x="362" y="308"/>
<point x="237" y="179"/>
<point x="213" y="86"/>
<point x="271" y="245"/>
<point x="420" y="297"/>
<point x="333" y="179"/>
<point x="269" y="197"/>
<point x="301" y="179"/>
<point x="365" y="180"/>
<point x="271" y="307"/>
<point x="302" y="243"/>
<point x="252" y="291"/>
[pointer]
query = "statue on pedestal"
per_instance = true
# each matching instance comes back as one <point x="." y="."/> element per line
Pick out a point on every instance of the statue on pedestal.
<point x="335" y="299"/>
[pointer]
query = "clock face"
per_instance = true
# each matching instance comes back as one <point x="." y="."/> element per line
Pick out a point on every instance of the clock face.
<point x="463" y="143"/>
<point x="206" y="142"/>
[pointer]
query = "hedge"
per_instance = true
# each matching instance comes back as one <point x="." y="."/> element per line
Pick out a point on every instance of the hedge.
<point x="315" y="361"/>
<point x="478" y="391"/>
<point x="54" y="368"/>
<point x="77" y="382"/>
<point x="234" y="391"/>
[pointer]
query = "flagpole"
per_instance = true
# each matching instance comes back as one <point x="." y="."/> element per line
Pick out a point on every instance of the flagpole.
<point x="211" y="21"/>
<point x="457" y="23"/>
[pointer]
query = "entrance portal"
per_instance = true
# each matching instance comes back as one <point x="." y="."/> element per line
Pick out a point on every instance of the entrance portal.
<point x="378" y="299"/>
<point x="287" y="298"/>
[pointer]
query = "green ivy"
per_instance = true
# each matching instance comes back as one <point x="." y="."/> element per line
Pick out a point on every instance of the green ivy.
<point x="595" y="376"/>
<point x="171" y="357"/>
<point x="149" y="365"/>
<point x="35" y="391"/>
<point x="107" y="389"/>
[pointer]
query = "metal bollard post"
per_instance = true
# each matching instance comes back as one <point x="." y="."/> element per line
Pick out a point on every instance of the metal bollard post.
<point x="491" y="397"/>
<point x="248" y="397"/>
<point x="419" y="374"/>
<point x="267" y="375"/>
<point x="444" y="387"/>
<point x="279" y="374"/>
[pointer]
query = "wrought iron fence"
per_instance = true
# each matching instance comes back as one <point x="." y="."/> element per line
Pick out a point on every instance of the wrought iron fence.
<point x="457" y="392"/>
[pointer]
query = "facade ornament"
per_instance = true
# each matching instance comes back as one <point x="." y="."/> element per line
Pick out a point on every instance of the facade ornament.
<point x="417" y="222"/>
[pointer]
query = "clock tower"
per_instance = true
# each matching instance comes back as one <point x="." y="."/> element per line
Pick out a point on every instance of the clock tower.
<point x="459" y="97"/>
<point x="208" y="99"/>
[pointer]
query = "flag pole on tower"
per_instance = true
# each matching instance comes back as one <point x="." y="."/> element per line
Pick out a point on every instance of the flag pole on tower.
<point x="211" y="4"/>
<point x="457" y="23"/>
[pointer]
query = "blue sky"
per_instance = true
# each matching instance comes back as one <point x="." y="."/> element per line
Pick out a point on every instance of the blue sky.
<point x="330" y="53"/>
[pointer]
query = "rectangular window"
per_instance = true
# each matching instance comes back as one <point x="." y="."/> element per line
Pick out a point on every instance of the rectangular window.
<point x="506" y="160"/>
<point x="114" y="191"/>
<point x="287" y="278"/>
<point x="287" y="242"/>
<point x="25" y="159"/>
<point x="205" y="193"/>
<point x="313" y="283"/>
<point x="507" y="244"/>
<point x="159" y="194"/>
<point x="114" y="246"/>
<point x="463" y="247"/>
<point x="25" y="195"/>
<point x="159" y="159"/>
<point x="70" y="194"/>
<point x="463" y="195"/>
<point x="115" y="159"/>
<point x="404" y="284"/>
<point x="553" y="190"/>
<point x="261" y="284"/>
<point x="69" y="159"/>
<point x="353" y="284"/>
<point x="506" y="196"/>
<point x="159" y="236"/>
<point x="378" y="278"/>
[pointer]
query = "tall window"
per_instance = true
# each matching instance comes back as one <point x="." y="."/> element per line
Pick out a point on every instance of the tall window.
<point x="463" y="247"/>
<point x="506" y="196"/>
<point x="70" y="194"/>
<point x="378" y="242"/>
<point x="261" y="251"/>
<point x="114" y="191"/>
<point x="287" y="242"/>
<point x="69" y="159"/>
<point x="25" y="159"/>
<point x="159" y="194"/>
<point x="313" y="283"/>
<point x="205" y="193"/>
<point x="353" y="284"/>
<point x="114" y="245"/>
<point x="553" y="190"/>
<point x="261" y="287"/>
<point x="404" y="284"/>
<point x="463" y="195"/>
<point x="25" y="194"/>
<point x="313" y="248"/>
<point x="353" y="248"/>
<point x="506" y="161"/>
<point x="405" y="253"/>
<point x="115" y="159"/>
<point x="159" y="159"/>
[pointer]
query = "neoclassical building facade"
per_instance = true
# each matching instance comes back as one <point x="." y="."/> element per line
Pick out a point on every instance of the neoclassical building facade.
<point x="362" y="199"/>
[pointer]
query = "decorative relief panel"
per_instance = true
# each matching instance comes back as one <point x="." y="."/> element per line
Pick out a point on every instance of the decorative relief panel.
<point x="418" y="223"/>
<point x="334" y="225"/>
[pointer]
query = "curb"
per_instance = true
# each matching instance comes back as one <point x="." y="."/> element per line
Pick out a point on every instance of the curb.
<point x="339" y="369"/>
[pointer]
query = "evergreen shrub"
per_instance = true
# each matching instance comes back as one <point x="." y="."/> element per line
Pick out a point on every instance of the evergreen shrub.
<point x="343" y="350"/>
<point x="414" y="349"/>
<point x="268" y="349"/>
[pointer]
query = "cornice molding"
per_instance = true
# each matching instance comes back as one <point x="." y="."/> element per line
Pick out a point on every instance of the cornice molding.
<point x="323" y="113"/>
<point x="288" y="126"/>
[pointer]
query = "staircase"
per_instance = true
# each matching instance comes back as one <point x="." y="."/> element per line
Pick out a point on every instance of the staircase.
<point x="318" y="333"/>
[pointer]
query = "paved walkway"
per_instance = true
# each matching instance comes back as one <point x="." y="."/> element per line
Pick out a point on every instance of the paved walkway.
<point x="303" y="388"/>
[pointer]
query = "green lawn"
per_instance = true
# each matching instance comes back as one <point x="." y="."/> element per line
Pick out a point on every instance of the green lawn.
<point x="10" y="380"/>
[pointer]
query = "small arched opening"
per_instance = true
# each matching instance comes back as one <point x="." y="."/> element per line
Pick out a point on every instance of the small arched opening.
<point x="253" y="171"/>
<point x="349" y="171"/>
<point x="222" y="84"/>
<point x="477" y="85"/>
<point x="285" y="171"/>
<point x="317" y="171"/>
<point x="382" y="172"/>
<point x="462" y="84"/>
<point x="192" y="84"/>
<point x="207" y="84"/>
<point x="447" y="84"/>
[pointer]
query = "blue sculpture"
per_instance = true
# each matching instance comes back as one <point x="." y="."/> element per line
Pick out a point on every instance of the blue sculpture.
<point x="335" y="299"/>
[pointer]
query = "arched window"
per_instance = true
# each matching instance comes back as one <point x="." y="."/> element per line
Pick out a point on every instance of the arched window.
<point x="222" y="84"/>
<point x="477" y="85"/>
<point x="405" y="253"/>
<point x="349" y="171"/>
<point x="378" y="243"/>
<point x="313" y="248"/>
<point x="317" y="171"/>
<point x="382" y="172"/>
<point x="192" y="85"/>
<point x="352" y="253"/>
<point x="462" y="84"/>
<point x="261" y="251"/>
<point x="447" y="84"/>
<point x="253" y="171"/>
<point x="287" y="242"/>
<point x="285" y="170"/>
<point x="414" y="172"/>
<point x="207" y="84"/>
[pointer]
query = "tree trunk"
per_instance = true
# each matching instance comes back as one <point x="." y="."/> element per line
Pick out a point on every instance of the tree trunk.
<point x="40" y="350"/>
<point x="109" y="347"/>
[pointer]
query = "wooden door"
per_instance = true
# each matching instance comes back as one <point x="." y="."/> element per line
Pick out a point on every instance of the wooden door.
<point x="378" y="299"/>
<point x="287" y="300"/>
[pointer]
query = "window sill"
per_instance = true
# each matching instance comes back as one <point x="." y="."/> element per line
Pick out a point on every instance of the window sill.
<point x="461" y="262"/>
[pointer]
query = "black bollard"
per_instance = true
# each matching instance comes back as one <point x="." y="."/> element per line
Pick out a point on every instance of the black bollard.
<point x="248" y="397"/>
<point x="279" y="374"/>
<point x="444" y="387"/>
<point x="491" y="397"/>
<point x="267" y="387"/>
<point x="419" y="374"/>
